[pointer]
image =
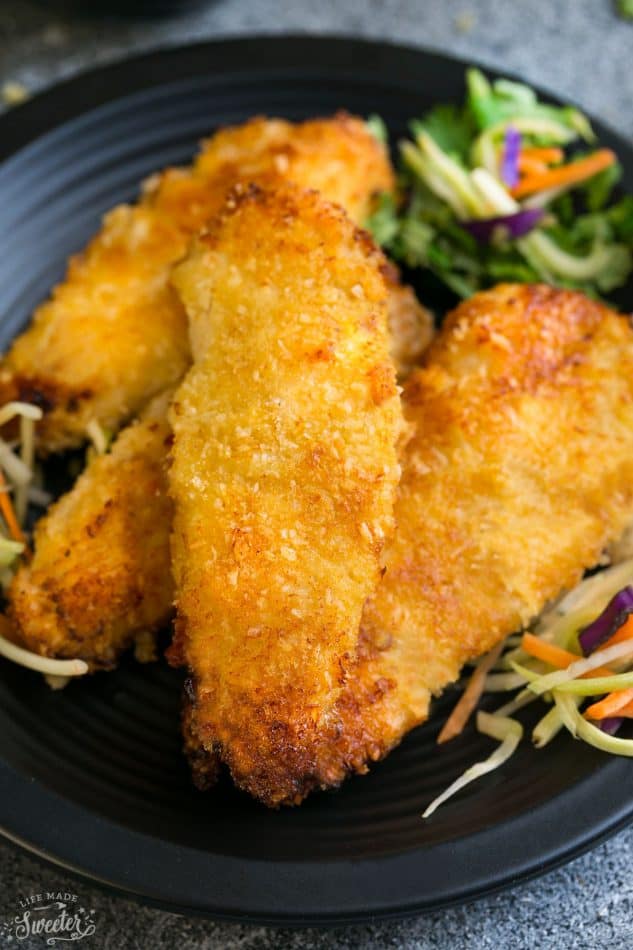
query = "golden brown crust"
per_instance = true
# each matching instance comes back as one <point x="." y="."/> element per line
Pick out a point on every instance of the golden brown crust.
<point x="100" y="573"/>
<point x="283" y="475"/>
<point x="411" y="326"/>
<point x="113" y="333"/>
<point x="204" y="763"/>
<point x="173" y="204"/>
<point x="519" y="473"/>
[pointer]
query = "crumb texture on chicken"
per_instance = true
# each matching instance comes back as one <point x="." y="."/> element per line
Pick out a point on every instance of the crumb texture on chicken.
<point x="283" y="475"/>
<point x="411" y="326"/>
<point x="113" y="333"/>
<point x="100" y="576"/>
<point x="519" y="472"/>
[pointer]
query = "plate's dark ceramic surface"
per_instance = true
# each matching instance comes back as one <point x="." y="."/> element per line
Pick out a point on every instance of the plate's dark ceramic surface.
<point x="92" y="778"/>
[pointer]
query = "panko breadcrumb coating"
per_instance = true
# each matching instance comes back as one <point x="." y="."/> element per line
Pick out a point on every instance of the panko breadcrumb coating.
<point x="100" y="577"/>
<point x="519" y="473"/>
<point x="113" y="333"/>
<point x="31" y="594"/>
<point x="411" y="326"/>
<point x="48" y="627"/>
<point x="283" y="476"/>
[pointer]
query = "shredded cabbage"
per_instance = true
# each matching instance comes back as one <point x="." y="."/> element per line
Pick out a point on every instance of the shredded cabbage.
<point x="495" y="194"/>
<point x="566" y="688"/>
<point x="455" y="177"/>
<point x="594" y="592"/>
<point x="597" y="685"/>
<point x="580" y="607"/>
<point x="529" y="676"/>
<point x="580" y="728"/>
<point x="98" y="436"/>
<point x="41" y="664"/>
<point x="544" y="684"/>
<point x="507" y="731"/>
<point x="503" y="682"/>
<point x="524" y="698"/>
<point x="9" y="551"/>
<point x="38" y="496"/>
<point x="24" y="409"/>
<point x="17" y="471"/>
<point x="548" y="727"/>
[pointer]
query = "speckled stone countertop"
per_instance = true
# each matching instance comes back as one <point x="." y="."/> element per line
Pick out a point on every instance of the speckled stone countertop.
<point x="577" y="48"/>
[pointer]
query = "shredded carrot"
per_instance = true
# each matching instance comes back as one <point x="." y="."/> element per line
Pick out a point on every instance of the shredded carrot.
<point x="626" y="712"/>
<point x="625" y="632"/>
<point x="556" y="656"/>
<point x="549" y="156"/>
<point x="531" y="166"/>
<point x="8" y="513"/>
<point x="616" y="703"/>
<point x="570" y="174"/>
<point x="467" y="703"/>
<point x="610" y="705"/>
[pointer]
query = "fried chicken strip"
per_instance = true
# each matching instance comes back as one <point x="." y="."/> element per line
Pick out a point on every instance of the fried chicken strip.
<point x="283" y="475"/>
<point x="100" y="576"/>
<point x="76" y="630"/>
<point x="50" y="631"/>
<point x="518" y="475"/>
<point x="113" y="333"/>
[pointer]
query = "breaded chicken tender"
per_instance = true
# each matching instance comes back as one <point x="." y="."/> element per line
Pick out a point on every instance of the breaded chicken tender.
<point x="283" y="476"/>
<point x="294" y="147"/>
<point x="519" y="473"/>
<point x="113" y="333"/>
<point x="36" y="591"/>
<point x="100" y="578"/>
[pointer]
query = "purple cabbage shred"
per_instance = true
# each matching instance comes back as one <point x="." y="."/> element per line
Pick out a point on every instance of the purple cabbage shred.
<point x="615" y="614"/>
<point x="611" y="725"/>
<point x="510" y="225"/>
<point x="510" y="157"/>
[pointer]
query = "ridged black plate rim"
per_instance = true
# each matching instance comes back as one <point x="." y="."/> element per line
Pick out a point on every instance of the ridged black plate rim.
<point x="308" y="891"/>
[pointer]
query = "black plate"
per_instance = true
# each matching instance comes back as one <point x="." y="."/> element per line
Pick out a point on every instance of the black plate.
<point x="92" y="778"/>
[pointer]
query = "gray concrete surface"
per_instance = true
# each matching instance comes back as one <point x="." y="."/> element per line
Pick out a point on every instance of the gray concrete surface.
<point x="578" y="48"/>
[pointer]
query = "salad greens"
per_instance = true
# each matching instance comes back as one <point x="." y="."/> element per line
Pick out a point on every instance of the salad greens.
<point x="625" y="8"/>
<point x="489" y="193"/>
